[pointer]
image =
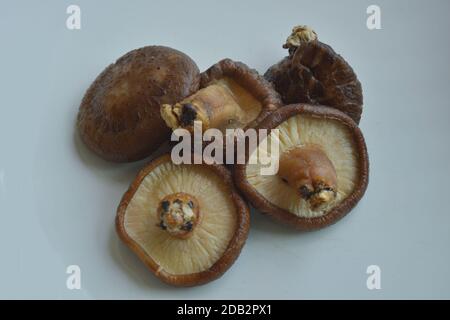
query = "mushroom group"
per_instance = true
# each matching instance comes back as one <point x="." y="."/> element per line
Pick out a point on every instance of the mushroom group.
<point x="188" y="222"/>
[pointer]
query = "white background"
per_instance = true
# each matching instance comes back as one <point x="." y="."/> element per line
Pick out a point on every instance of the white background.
<point x="58" y="201"/>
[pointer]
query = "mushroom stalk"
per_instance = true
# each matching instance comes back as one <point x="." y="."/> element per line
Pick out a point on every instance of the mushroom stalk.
<point x="299" y="35"/>
<point x="215" y="106"/>
<point x="311" y="173"/>
<point x="178" y="214"/>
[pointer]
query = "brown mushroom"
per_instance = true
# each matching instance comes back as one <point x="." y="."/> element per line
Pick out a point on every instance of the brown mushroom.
<point x="323" y="167"/>
<point x="119" y="116"/>
<point x="314" y="73"/>
<point x="187" y="223"/>
<point x="231" y="96"/>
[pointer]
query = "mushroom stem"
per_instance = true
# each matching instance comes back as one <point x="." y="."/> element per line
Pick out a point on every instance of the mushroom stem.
<point x="299" y="35"/>
<point x="215" y="106"/>
<point x="309" y="171"/>
<point x="178" y="214"/>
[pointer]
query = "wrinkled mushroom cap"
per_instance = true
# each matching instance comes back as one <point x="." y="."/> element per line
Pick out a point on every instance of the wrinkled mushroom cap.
<point x="119" y="116"/>
<point x="314" y="73"/>
<point x="338" y="137"/>
<point x="216" y="240"/>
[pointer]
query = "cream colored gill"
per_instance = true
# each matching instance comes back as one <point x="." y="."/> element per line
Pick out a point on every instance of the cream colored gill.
<point x="335" y="140"/>
<point x="210" y="237"/>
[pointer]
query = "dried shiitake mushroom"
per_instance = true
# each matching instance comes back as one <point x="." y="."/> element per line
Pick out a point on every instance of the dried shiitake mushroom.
<point x="119" y="116"/>
<point x="231" y="96"/>
<point x="314" y="73"/>
<point x="187" y="223"/>
<point x="323" y="167"/>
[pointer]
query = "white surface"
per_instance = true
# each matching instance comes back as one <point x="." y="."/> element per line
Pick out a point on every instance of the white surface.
<point x="58" y="201"/>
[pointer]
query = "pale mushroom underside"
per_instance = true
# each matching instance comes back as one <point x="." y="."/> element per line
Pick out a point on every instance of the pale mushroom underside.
<point x="335" y="140"/>
<point x="209" y="239"/>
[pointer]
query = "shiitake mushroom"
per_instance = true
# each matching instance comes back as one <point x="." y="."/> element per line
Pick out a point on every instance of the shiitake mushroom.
<point x="187" y="223"/>
<point x="314" y="73"/>
<point x="323" y="167"/>
<point x="119" y="116"/>
<point x="231" y="96"/>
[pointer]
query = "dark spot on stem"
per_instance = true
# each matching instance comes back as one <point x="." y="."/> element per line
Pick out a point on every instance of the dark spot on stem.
<point x="188" y="115"/>
<point x="165" y="205"/>
<point x="188" y="226"/>
<point x="305" y="192"/>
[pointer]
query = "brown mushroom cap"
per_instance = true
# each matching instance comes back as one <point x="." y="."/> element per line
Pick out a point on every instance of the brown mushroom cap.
<point x="231" y="95"/>
<point x="314" y="73"/>
<point x="119" y="116"/>
<point x="342" y="142"/>
<point x="216" y="240"/>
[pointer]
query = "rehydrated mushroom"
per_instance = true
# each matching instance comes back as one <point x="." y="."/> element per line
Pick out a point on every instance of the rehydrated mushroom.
<point x="323" y="167"/>
<point x="119" y="116"/>
<point x="187" y="223"/>
<point x="314" y="73"/>
<point x="231" y="96"/>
